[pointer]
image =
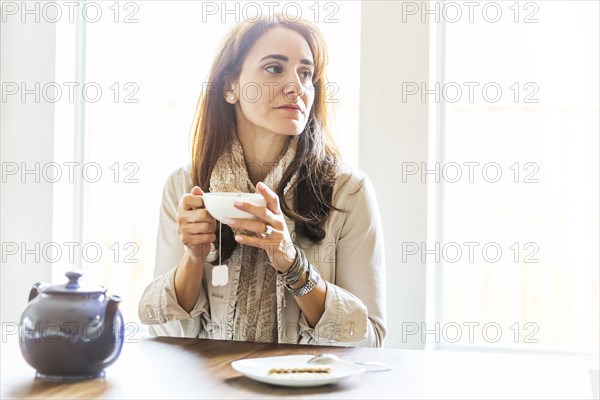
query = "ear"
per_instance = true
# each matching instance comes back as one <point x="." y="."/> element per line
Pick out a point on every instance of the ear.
<point x="230" y="97"/>
<point x="231" y="93"/>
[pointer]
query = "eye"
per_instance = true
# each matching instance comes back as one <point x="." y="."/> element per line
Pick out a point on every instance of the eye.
<point x="308" y="75"/>
<point x="274" y="66"/>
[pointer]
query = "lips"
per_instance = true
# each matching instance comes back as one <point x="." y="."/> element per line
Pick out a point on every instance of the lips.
<point x="292" y="107"/>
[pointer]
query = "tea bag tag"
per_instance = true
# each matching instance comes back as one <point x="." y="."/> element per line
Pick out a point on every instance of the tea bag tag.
<point x="220" y="275"/>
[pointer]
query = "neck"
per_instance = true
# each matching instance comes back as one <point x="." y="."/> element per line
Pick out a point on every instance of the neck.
<point x="261" y="151"/>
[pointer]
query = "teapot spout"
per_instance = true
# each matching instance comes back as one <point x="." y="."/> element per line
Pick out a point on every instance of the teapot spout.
<point x="35" y="290"/>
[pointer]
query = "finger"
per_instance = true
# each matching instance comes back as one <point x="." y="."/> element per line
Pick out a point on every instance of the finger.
<point x="196" y="190"/>
<point x="193" y="240"/>
<point x="194" y="216"/>
<point x="191" y="202"/>
<point x="194" y="229"/>
<point x="249" y="225"/>
<point x="260" y="212"/>
<point x="253" y="241"/>
<point x="270" y="196"/>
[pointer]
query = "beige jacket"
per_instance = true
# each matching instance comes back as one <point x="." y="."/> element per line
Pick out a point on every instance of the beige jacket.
<point x="350" y="259"/>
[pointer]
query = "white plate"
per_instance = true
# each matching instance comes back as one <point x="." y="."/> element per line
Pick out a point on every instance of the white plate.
<point x="258" y="369"/>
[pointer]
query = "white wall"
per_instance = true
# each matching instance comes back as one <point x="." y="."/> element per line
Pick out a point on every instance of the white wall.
<point x="392" y="132"/>
<point x="27" y="55"/>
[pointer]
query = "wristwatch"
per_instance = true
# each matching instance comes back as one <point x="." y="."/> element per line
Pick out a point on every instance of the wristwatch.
<point x="313" y="280"/>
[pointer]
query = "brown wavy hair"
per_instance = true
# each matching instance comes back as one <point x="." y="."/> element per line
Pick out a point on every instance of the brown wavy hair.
<point x="317" y="158"/>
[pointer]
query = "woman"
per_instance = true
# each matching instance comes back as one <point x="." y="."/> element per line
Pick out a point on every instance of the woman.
<point x="311" y="268"/>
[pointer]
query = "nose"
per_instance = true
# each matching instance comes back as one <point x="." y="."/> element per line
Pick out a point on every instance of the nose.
<point x="293" y="89"/>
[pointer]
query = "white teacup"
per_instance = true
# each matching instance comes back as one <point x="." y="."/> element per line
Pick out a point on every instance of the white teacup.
<point x="220" y="204"/>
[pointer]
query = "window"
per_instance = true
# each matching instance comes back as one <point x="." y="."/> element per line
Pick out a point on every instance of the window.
<point x="150" y="66"/>
<point x="530" y="214"/>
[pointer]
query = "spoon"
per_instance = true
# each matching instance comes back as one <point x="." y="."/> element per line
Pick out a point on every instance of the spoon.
<point x="331" y="358"/>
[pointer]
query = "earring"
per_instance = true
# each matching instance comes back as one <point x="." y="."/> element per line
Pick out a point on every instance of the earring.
<point x="232" y="97"/>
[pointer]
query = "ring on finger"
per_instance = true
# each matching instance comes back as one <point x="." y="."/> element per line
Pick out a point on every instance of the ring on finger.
<point x="267" y="232"/>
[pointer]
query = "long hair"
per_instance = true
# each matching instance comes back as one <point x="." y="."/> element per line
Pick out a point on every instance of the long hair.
<point x="317" y="158"/>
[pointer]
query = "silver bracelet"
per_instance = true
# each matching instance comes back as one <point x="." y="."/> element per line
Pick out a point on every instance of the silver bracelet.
<point x="297" y="269"/>
<point x="313" y="280"/>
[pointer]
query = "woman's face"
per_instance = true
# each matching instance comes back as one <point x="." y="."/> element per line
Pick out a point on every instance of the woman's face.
<point x="275" y="76"/>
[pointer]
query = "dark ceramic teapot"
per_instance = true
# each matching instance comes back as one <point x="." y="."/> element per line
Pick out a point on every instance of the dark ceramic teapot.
<point x="69" y="332"/>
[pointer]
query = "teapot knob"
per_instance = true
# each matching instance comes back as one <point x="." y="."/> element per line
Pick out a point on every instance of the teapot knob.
<point x="73" y="277"/>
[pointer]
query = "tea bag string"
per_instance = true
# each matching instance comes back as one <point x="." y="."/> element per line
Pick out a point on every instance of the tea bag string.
<point x="220" y="226"/>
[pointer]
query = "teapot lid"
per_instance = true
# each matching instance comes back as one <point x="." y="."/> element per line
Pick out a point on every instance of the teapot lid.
<point x="73" y="286"/>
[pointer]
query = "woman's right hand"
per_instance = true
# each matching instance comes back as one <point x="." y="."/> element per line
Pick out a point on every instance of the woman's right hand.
<point x="195" y="225"/>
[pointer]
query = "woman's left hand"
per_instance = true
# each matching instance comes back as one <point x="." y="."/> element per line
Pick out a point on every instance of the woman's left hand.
<point x="278" y="244"/>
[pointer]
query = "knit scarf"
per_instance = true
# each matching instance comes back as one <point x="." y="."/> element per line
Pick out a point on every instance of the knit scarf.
<point x="255" y="315"/>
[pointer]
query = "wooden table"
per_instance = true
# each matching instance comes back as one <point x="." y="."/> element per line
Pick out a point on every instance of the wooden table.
<point x="193" y="368"/>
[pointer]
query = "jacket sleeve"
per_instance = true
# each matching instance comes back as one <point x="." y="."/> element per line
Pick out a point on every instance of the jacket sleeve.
<point x="355" y="303"/>
<point x="158" y="306"/>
